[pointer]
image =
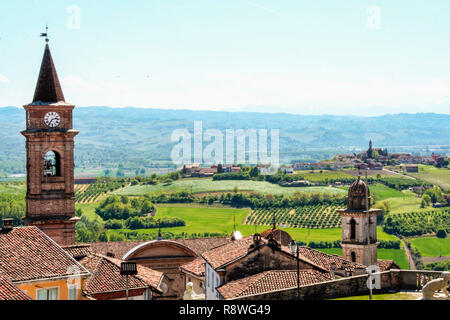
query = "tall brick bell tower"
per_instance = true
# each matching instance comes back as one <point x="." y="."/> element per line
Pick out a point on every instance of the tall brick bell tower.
<point x="50" y="165"/>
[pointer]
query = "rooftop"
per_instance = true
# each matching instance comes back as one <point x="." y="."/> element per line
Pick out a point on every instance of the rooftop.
<point x="105" y="275"/>
<point x="8" y="291"/>
<point x="268" y="281"/>
<point x="27" y="253"/>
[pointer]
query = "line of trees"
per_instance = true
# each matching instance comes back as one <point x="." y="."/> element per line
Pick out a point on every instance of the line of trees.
<point x="254" y="200"/>
<point x="115" y="207"/>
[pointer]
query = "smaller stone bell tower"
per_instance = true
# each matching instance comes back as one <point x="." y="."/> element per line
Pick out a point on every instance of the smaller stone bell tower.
<point x="359" y="226"/>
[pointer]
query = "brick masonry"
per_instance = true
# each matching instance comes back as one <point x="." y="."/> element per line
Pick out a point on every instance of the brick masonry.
<point x="50" y="200"/>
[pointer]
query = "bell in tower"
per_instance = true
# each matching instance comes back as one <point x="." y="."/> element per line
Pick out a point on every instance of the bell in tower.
<point x="359" y="226"/>
<point x="50" y="161"/>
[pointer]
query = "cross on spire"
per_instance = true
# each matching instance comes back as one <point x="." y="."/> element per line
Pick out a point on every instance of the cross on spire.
<point x="45" y="34"/>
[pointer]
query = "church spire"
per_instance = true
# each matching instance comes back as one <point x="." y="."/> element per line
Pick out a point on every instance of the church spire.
<point x="48" y="88"/>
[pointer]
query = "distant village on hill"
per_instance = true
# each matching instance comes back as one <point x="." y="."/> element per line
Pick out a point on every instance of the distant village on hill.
<point x="371" y="159"/>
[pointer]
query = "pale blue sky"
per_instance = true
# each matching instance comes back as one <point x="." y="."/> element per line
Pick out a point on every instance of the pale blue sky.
<point x="305" y="57"/>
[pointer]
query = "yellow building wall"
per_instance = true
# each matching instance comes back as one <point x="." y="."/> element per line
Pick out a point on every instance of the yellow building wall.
<point x="31" y="288"/>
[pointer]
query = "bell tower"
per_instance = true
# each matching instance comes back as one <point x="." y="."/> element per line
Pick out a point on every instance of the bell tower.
<point x="49" y="137"/>
<point x="359" y="226"/>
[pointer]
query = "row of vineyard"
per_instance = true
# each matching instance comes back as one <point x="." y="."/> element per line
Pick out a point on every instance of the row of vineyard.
<point x="91" y="193"/>
<point x="311" y="216"/>
<point x="417" y="223"/>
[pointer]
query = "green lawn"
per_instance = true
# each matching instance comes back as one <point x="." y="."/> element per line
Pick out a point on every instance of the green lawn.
<point x="407" y="204"/>
<point x="381" y="192"/>
<point x="88" y="209"/>
<point x="386" y="296"/>
<point x="398" y="255"/>
<point x="208" y="185"/>
<point x="432" y="246"/>
<point x="436" y="176"/>
<point x="220" y="220"/>
<point x="321" y="176"/>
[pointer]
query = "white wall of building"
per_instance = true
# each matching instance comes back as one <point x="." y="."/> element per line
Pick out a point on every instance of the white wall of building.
<point x="212" y="281"/>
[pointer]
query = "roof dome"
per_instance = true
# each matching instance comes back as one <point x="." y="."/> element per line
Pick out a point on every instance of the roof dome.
<point x="358" y="188"/>
<point x="357" y="195"/>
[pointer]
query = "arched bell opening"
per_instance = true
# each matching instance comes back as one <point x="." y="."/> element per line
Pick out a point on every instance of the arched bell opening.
<point x="352" y="229"/>
<point x="52" y="164"/>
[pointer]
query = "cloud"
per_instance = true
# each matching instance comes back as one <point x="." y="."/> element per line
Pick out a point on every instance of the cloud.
<point x="3" y="78"/>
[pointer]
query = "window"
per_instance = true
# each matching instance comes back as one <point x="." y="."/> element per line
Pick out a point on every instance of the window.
<point x="47" y="294"/>
<point x="73" y="293"/>
<point x="353" y="256"/>
<point x="352" y="229"/>
<point x="52" y="164"/>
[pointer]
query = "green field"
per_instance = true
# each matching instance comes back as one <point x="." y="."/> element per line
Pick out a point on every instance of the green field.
<point x="321" y="176"/>
<point x="398" y="255"/>
<point x="432" y="246"/>
<point x="13" y="188"/>
<point x="436" y="176"/>
<point x="208" y="185"/>
<point x="221" y="220"/>
<point x="381" y="192"/>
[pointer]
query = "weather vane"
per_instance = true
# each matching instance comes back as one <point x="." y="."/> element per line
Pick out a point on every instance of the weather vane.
<point x="46" y="33"/>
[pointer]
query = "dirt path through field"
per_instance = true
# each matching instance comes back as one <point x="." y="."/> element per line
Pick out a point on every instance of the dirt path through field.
<point x="403" y="175"/>
<point x="412" y="265"/>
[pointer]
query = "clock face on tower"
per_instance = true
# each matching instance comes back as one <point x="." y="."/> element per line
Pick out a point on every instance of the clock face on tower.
<point x="52" y="119"/>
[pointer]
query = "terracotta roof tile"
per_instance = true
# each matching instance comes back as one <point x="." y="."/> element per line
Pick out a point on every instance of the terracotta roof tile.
<point x="105" y="275"/>
<point x="8" y="291"/>
<point x="78" y="251"/>
<point x="268" y="281"/>
<point x="385" y="265"/>
<point x="196" y="267"/>
<point x="326" y="261"/>
<point x="26" y="253"/>
<point x="228" y="252"/>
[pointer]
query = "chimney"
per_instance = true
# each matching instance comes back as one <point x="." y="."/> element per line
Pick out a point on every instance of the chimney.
<point x="8" y="224"/>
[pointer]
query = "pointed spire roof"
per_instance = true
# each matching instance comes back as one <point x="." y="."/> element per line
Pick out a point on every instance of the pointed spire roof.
<point x="48" y="88"/>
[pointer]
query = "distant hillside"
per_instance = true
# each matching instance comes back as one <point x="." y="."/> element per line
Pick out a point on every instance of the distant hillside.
<point x="137" y="137"/>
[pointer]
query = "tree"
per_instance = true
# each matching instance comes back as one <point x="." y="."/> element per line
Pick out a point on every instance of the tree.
<point x="147" y="207"/>
<point x="426" y="200"/>
<point x="441" y="234"/>
<point x="254" y="172"/>
<point x="220" y="168"/>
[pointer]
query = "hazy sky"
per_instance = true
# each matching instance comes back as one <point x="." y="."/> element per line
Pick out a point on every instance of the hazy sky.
<point x="306" y="57"/>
